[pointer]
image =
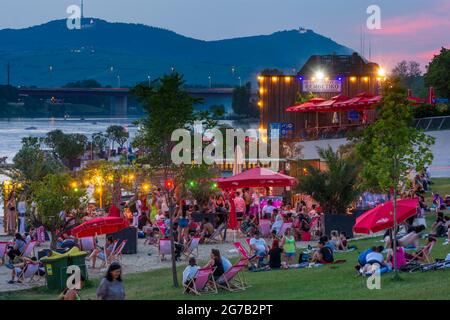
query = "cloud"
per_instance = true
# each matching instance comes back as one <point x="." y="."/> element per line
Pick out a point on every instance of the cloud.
<point x="411" y="24"/>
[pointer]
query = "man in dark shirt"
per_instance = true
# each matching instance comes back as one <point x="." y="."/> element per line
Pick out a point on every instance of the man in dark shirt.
<point x="324" y="254"/>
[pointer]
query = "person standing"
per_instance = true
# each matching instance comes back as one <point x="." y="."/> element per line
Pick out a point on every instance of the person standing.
<point x="11" y="221"/>
<point x="239" y="203"/>
<point x="111" y="287"/>
<point x="22" y="208"/>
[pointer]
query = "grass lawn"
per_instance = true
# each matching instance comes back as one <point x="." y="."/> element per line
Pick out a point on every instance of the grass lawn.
<point x="325" y="282"/>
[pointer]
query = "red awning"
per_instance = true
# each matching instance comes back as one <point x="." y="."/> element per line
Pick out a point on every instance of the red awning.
<point x="308" y="105"/>
<point x="257" y="177"/>
<point x="329" y="105"/>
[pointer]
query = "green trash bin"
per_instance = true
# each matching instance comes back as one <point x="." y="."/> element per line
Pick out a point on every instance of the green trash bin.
<point x="79" y="259"/>
<point x="56" y="271"/>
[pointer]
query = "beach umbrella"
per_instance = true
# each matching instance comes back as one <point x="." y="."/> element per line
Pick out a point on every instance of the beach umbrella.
<point x="306" y="106"/>
<point x="382" y="216"/>
<point x="97" y="226"/>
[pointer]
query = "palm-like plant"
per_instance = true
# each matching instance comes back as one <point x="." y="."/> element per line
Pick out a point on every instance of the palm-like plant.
<point x="334" y="188"/>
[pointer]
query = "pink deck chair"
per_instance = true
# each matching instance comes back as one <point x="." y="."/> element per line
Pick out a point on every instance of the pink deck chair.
<point x="30" y="272"/>
<point x="264" y="227"/>
<point x="117" y="254"/>
<point x="29" y="249"/>
<point x="164" y="248"/>
<point x="202" y="283"/>
<point x="3" y="247"/>
<point x="233" y="279"/>
<point x="193" y="248"/>
<point x="242" y="251"/>
<point x="107" y="258"/>
<point x="87" y="244"/>
<point x="283" y="228"/>
<point x="40" y="233"/>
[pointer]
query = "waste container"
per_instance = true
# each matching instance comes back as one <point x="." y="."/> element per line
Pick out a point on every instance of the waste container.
<point x="56" y="271"/>
<point x="79" y="259"/>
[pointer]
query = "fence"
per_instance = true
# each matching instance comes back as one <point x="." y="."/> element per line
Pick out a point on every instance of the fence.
<point x="433" y="123"/>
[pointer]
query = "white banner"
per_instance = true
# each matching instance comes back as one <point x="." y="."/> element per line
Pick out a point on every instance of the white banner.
<point x="321" y="86"/>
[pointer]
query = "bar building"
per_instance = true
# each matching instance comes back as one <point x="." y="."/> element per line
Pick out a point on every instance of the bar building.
<point x="325" y="76"/>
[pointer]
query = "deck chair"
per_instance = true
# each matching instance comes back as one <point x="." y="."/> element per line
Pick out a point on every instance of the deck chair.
<point x="117" y="254"/>
<point x="3" y="247"/>
<point x="29" y="249"/>
<point x="107" y="259"/>
<point x="424" y="254"/>
<point x="242" y="251"/>
<point x="264" y="227"/>
<point x="87" y="244"/>
<point x="30" y="271"/>
<point x="164" y="248"/>
<point x="216" y="234"/>
<point x="192" y="249"/>
<point x="233" y="279"/>
<point x="202" y="283"/>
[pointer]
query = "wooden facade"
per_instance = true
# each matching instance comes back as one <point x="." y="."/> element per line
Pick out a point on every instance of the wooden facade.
<point x="277" y="92"/>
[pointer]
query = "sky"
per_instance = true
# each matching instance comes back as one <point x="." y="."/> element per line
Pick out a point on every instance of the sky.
<point x="410" y="29"/>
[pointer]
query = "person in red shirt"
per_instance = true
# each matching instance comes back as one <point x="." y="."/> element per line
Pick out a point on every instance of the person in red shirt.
<point x="239" y="203"/>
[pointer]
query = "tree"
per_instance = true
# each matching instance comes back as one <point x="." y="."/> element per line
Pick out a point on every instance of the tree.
<point x="391" y="146"/>
<point x="52" y="195"/>
<point x="438" y="73"/>
<point x="410" y="76"/>
<point x="334" y="188"/>
<point x="99" y="141"/>
<point x="31" y="163"/>
<point x="218" y="110"/>
<point x="119" y="134"/>
<point x="241" y="101"/>
<point x="66" y="147"/>
<point x="168" y="108"/>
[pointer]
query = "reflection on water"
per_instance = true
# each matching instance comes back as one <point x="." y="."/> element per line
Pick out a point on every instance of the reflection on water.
<point x="13" y="130"/>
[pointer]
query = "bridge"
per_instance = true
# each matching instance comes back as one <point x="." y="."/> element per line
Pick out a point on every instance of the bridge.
<point x="118" y="96"/>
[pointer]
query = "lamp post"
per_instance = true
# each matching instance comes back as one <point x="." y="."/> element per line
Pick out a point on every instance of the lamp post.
<point x="118" y="81"/>
<point x="240" y="81"/>
<point x="7" y="188"/>
<point x="210" y="81"/>
<point x="149" y="81"/>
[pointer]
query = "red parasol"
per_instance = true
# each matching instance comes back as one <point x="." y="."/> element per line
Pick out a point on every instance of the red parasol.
<point x="382" y="217"/>
<point x="102" y="225"/>
<point x="308" y="105"/>
<point x="257" y="177"/>
<point x="113" y="211"/>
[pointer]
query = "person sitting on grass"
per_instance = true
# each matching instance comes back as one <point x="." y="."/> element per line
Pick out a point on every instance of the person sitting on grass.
<point x="276" y="226"/>
<point x="412" y="237"/>
<point x="259" y="247"/>
<point x="99" y="252"/>
<point x="216" y="263"/>
<point x="275" y="255"/>
<point x="324" y="254"/>
<point x="400" y="257"/>
<point x="422" y="254"/>
<point x="335" y="242"/>
<point x="190" y="271"/>
<point x="374" y="257"/>
<point x="17" y="249"/>
<point x="439" y="227"/>
<point x="343" y="241"/>
<point x="288" y="245"/>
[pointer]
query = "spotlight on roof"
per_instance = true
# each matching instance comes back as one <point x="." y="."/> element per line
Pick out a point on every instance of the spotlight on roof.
<point x="319" y="75"/>
<point x="381" y="72"/>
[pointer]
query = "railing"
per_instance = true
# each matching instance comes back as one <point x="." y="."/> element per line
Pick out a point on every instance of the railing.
<point x="433" y="123"/>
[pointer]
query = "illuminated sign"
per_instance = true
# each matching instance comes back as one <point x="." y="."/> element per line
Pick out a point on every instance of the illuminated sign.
<point x="322" y="86"/>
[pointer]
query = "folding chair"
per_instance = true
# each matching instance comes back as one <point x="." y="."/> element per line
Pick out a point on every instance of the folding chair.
<point x="117" y="254"/>
<point x="3" y="247"/>
<point x="193" y="247"/>
<point x="164" y="248"/>
<point x="30" y="271"/>
<point x="215" y="235"/>
<point x="424" y="254"/>
<point x="264" y="227"/>
<point x="233" y="279"/>
<point x="242" y="251"/>
<point x="203" y="282"/>
<point x="107" y="259"/>
<point x="29" y="249"/>
<point x="87" y="244"/>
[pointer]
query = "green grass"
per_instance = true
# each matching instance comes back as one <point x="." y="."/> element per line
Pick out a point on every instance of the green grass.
<point x="326" y="282"/>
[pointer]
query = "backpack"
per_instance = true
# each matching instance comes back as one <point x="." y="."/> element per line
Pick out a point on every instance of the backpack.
<point x="303" y="257"/>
